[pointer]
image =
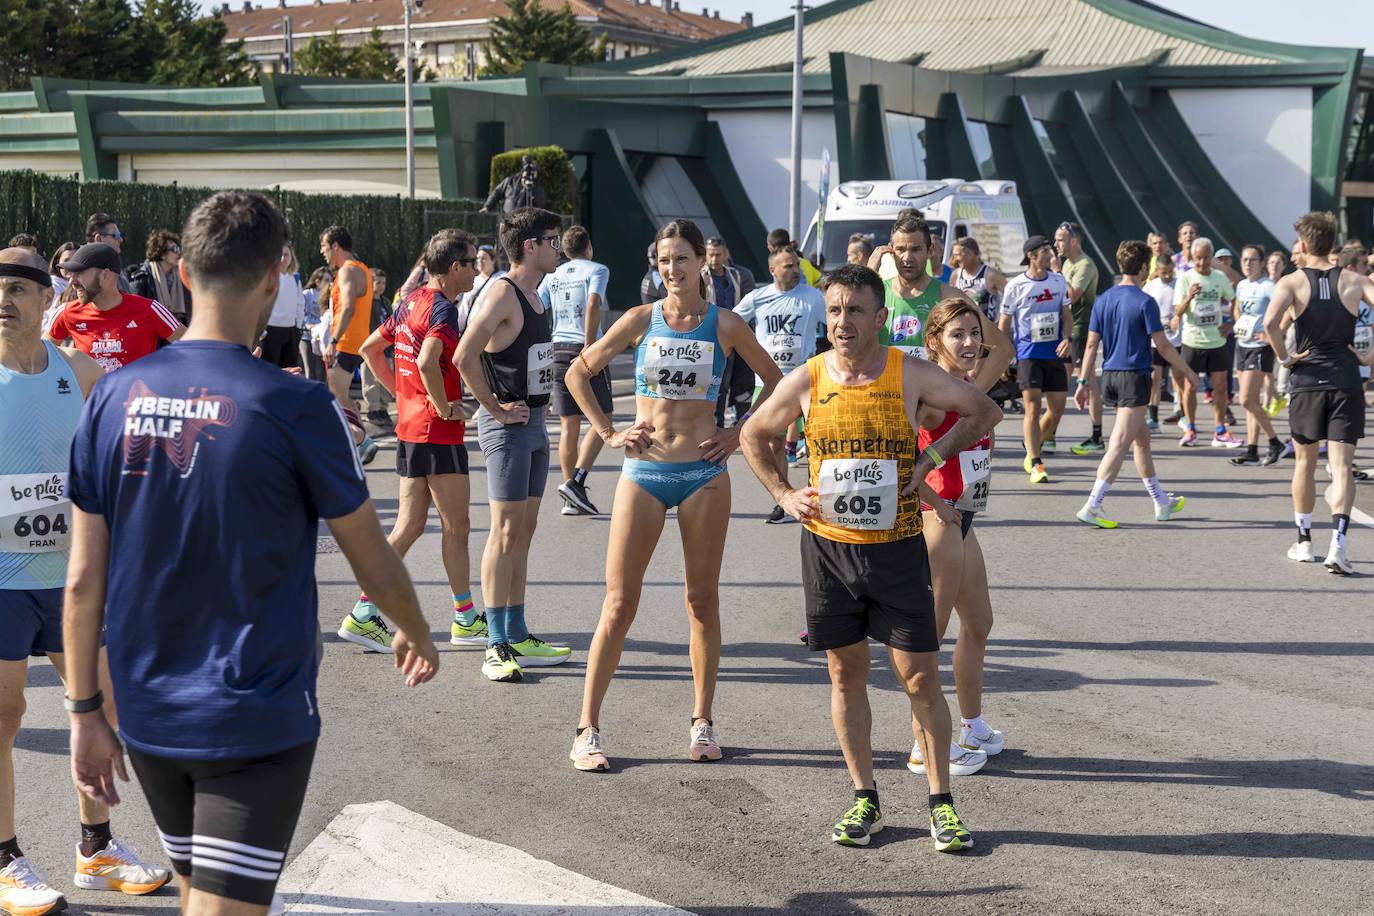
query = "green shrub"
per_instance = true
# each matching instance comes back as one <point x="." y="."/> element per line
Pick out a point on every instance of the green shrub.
<point x="388" y="232"/>
<point x="555" y="173"/>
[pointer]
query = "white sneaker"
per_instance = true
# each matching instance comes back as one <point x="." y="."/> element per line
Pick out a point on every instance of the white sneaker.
<point x="963" y="761"/>
<point x="1301" y="552"/>
<point x="118" y="867"/>
<point x="567" y="510"/>
<point x="1337" y="564"/>
<point x="991" y="745"/>
<point x="24" y="890"/>
<point x="277" y="907"/>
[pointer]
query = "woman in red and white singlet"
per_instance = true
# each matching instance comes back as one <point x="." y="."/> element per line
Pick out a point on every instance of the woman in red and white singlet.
<point x="951" y="497"/>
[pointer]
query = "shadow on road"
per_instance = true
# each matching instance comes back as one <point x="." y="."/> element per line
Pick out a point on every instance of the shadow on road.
<point x="1246" y="844"/>
<point x="1353" y="649"/>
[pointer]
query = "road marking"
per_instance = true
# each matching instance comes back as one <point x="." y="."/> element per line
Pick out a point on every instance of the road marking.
<point x="383" y="858"/>
<point x="1357" y="515"/>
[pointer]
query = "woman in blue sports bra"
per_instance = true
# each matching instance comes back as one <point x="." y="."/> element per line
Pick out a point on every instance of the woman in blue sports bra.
<point x="674" y="457"/>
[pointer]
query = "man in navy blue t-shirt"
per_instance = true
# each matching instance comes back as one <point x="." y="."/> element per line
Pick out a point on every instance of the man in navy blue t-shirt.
<point x="1124" y="321"/>
<point x="199" y="476"/>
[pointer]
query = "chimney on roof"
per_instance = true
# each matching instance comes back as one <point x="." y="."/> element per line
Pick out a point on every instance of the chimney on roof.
<point x="677" y="7"/>
<point x="224" y="9"/>
<point x="247" y="6"/>
<point x="667" y="6"/>
<point x="747" y="20"/>
<point x="717" y="15"/>
<point x="281" y="4"/>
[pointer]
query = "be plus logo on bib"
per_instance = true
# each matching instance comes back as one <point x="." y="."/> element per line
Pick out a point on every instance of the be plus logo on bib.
<point x="173" y="424"/>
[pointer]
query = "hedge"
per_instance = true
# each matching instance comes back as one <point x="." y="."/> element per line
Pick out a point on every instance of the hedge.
<point x="388" y="232"/>
<point x="555" y="172"/>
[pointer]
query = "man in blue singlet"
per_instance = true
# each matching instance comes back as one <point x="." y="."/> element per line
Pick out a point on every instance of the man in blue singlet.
<point x="42" y="389"/>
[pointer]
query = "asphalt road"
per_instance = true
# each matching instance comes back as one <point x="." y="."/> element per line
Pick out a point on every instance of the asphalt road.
<point x="1188" y="719"/>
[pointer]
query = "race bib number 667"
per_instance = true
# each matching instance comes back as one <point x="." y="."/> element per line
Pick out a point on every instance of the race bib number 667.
<point x="858" y="493"/>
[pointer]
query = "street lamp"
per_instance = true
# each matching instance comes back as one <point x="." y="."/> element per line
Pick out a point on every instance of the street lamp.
<point x="794" y="192"/>
<point x="406" y="6"/>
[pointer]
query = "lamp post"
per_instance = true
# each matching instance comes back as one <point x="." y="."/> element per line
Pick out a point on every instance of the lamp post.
<point x="794" y="192"/>
<point x="410" y="105"/>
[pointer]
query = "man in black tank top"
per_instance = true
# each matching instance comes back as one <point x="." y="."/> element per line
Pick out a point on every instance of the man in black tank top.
<point x="1327" y="401"/>
<point x="506" y="360"/>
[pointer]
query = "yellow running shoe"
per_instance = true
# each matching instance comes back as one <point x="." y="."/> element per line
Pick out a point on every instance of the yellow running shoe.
<point x="118" y="867"/>
<point x="1038" y="474"/>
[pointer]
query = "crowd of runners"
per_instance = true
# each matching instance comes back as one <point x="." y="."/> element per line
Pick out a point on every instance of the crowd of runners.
<point x="160" y="509"/>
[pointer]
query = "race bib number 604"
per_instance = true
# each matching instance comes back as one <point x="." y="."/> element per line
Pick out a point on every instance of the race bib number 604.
<point x="34" y="513"/>
<point x="858" y="493"/>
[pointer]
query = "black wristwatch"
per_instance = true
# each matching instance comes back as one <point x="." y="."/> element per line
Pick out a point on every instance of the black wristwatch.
<point x="90" y="704"/>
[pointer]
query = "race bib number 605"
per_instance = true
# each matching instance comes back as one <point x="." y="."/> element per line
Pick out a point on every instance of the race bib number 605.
<point x="858" y="493"/>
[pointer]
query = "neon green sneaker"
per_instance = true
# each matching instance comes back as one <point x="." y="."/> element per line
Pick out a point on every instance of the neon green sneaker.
<point x="1089" y="447"/>
<point x="475" y="635"/>
<point x="1090" y="516"/>
<point x="948" y="831"/>
<point x="372" y="634"/>
<point x="1027" y="464"/>
<point x="1038" y="474"/>
<point x="859" y="824"/>
<point x="533" y="652"/>
<point x="1166" y="510"/>
<point x="1049" y="447"/>
<point x="500" y="664"/>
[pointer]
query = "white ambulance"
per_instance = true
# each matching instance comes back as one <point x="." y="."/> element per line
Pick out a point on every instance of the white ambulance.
<point x="987" y="211"/>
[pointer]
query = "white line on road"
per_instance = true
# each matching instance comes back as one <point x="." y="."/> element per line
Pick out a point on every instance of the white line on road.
<point x="1357" y="515"/>
<point x="383" y="858"/>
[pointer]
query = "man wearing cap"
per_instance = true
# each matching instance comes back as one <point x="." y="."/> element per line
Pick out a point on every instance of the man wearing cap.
<point x="101" y="227"/>
<point x="42" y="390"/>
<point x="111" y="327"/>
<point x="1081" y="275"/>
<point x="523" y="189"/>
<point x="1035" y="313"/>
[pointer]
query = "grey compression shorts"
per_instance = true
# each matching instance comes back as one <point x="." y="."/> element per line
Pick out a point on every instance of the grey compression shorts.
<point x="517" y="456"/>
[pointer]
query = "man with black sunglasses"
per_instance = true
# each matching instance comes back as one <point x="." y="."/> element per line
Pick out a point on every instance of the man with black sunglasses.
<point x="506" y="358"/>
<point x="102" y="228"/>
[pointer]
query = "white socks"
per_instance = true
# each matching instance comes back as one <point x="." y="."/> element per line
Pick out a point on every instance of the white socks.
<point x="1156" y="490"/>
<point x="1099" y="493"/>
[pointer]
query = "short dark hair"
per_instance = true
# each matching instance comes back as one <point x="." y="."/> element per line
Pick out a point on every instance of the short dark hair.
<point x="968" y="245"/>
<point x="1349" y="255"/>
<point x="339" y="235"/>
<point x="446" y="247"/>
<point x="855" y="277"/>
<point x="523" y="224"/>
<point x="909" y="225"/>
<point x="316" y="275"/>
<point x="1318" y="232"/>
<point x="779" y="238"/>
<point x="1185" y="224"/>
<point x="1257" y="249"/>
<point x="96" y="223"/>
<point x="1072" y="228"/>
<point x="1132" y="256"/>
<point x="24" y="240"/>
<point x="773" y="255"/>
<point x="232" y="239"/>
<point x="576" y="241"/>
<point x="159" y="240"/>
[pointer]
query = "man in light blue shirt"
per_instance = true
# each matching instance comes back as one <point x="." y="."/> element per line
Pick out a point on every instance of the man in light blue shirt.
<point x="785" y="315"/>
<point x="575" y="294"/>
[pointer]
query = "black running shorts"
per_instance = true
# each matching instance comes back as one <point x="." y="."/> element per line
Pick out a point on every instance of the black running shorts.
<point x="1079" y="347"/>
<point x="564" y="404"/>
<point x="1122" y="388"/>
<point x="348" y="362"/>
<point x="1205" y="361"/>
<point x="1254" y="359"/>
<point x="1157" y="359"/>
<point x="1336" y="415"/>
<point x="425" y="459"/>
<point x="1049" y="376"/>
<point x="868" y="591"/>
<point x="227" y="823"/>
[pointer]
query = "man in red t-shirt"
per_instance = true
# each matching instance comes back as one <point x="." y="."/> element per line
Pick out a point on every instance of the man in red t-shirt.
<point x="111" y="327"/>
<point x="431" y="459"/>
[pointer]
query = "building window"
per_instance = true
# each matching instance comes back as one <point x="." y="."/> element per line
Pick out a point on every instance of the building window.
<point x="907" y="136"/>
<point x="981" y="140"/>
<point x="445" y="52"/>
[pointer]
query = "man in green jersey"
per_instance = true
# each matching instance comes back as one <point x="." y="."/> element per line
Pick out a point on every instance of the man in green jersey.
<point x="1081" y="275"/>
<point x="913" y="292"/>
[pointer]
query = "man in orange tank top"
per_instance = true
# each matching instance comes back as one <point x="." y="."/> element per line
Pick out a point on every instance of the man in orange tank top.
<point x="865" y="572"/>
<point x="351" y="307"/>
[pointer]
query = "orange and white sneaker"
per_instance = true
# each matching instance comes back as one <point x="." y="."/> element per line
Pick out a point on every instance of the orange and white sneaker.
<point x="24" y="890"/>
<point x="703" y="746"/>
<point x="118" y="867"/>
<point x="586" y="753"/>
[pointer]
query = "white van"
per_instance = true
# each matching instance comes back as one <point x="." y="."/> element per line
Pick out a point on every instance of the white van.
<point x="988" y="211"/>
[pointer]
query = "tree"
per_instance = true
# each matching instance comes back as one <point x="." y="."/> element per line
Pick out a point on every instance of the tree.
<point x="191" y="51"/>
<point x="371" y="60"/>
<point x="532" y="33"/>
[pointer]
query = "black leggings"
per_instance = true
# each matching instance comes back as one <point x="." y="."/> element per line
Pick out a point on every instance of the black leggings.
<point x="281" y="347"/>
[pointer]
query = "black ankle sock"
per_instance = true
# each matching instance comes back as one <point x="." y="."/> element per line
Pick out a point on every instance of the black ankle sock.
<point x="1341" y="523"/>
<point x="704" y="719"/>
<point x="944" y="798"/>
<point x="1097" y="432"/>
<point x="94" y="837"/>
<point x="583" y="728"/>
<point x="1035" y="459"/>
<point x="870" y="794"/>
<point x="9" y="851"/>
<point x="1252" y="449"/>
<point x="1154" y="412"/>
<point x="579" y="477"/>
<point x="1275" y="443"/>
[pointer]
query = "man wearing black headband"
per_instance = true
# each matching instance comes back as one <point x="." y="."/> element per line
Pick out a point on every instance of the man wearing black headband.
<point x="42" y="389"/>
